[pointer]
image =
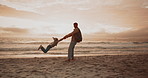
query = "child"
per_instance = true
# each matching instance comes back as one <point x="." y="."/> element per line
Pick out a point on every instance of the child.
<point x="54" y="43"/>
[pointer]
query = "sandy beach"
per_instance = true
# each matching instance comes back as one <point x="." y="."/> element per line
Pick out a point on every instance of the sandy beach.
<point x="107" y="66"/>
<point x="108" y="38"/>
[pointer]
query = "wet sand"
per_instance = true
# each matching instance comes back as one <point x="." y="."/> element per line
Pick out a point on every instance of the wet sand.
<point x="106" y="66"/>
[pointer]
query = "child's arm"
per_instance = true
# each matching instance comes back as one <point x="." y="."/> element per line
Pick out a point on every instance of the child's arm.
<point x="61" y="39"/>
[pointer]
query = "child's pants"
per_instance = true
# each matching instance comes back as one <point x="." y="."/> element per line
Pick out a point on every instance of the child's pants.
<point x="47" y="48"/>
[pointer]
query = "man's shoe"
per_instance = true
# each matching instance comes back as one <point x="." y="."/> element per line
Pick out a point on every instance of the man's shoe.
<point x="73" y="59"/>
<point x="67" y="60"/>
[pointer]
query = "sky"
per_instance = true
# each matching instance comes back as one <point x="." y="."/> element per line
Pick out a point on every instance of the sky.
<point x="102" y="18"/>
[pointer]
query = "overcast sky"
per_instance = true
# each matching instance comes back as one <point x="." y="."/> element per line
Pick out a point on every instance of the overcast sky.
<point x="109" y="17"/>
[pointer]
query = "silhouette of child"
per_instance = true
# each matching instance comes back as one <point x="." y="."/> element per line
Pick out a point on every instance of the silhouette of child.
<point x="52" y="44"/>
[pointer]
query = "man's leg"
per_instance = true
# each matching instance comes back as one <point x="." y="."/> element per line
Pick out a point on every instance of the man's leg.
<point x="74" y="43"/>
<point x="71" y="50"/>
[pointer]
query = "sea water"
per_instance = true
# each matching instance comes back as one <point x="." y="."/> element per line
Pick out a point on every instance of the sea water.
<point x="27" y="47"/>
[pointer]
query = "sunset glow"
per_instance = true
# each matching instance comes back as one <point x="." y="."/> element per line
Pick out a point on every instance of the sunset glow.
<point x="73" y="38"/>
<point x="57" y="16"/>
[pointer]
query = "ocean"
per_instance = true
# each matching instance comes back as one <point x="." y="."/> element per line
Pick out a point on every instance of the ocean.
<point x="27" y="47"/>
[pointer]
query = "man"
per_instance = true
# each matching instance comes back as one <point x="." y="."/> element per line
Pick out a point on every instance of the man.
<point x="76" y="37"/>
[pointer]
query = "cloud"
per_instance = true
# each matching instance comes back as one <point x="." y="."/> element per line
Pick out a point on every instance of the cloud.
<point x="133" y="33"/>
<point x="35" y="27"/>
<point x="21" y="23"/>
<point x="10" y="30"/>
<point x="112" y="29"/>
<point x="11" y="12"/>
<point x="105" y="28"/>
<point x="141" y="32"/>
<point x="53" y="7"/>
<point x="34" y="5"/>
<point x="146" y="6"/>
<point x="114" y="16"/>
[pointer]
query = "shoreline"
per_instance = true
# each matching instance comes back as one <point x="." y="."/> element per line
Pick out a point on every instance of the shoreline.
<point x="48" y="55"/>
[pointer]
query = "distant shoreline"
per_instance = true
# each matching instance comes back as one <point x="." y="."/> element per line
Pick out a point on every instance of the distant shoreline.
<point x="57" y="56"/>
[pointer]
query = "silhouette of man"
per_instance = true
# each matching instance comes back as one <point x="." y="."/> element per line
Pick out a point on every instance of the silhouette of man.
<point x="76" y="37"/>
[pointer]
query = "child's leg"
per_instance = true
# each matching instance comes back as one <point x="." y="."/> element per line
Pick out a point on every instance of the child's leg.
<point x="48" y="48"/>
<point x="45" y="50"/>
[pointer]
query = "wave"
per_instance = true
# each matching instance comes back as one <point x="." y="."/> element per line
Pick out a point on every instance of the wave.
<point x="31" y="42"/>
<point x="78" y="47"/>
<point x="140" y="42"/>
<point x="47" y="42"/>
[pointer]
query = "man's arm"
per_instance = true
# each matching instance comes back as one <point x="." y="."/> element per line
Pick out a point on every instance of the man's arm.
<point x="70" y="34"/>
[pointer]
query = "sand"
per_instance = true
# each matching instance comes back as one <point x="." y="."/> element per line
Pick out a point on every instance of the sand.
<point x="106" y="66"/>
